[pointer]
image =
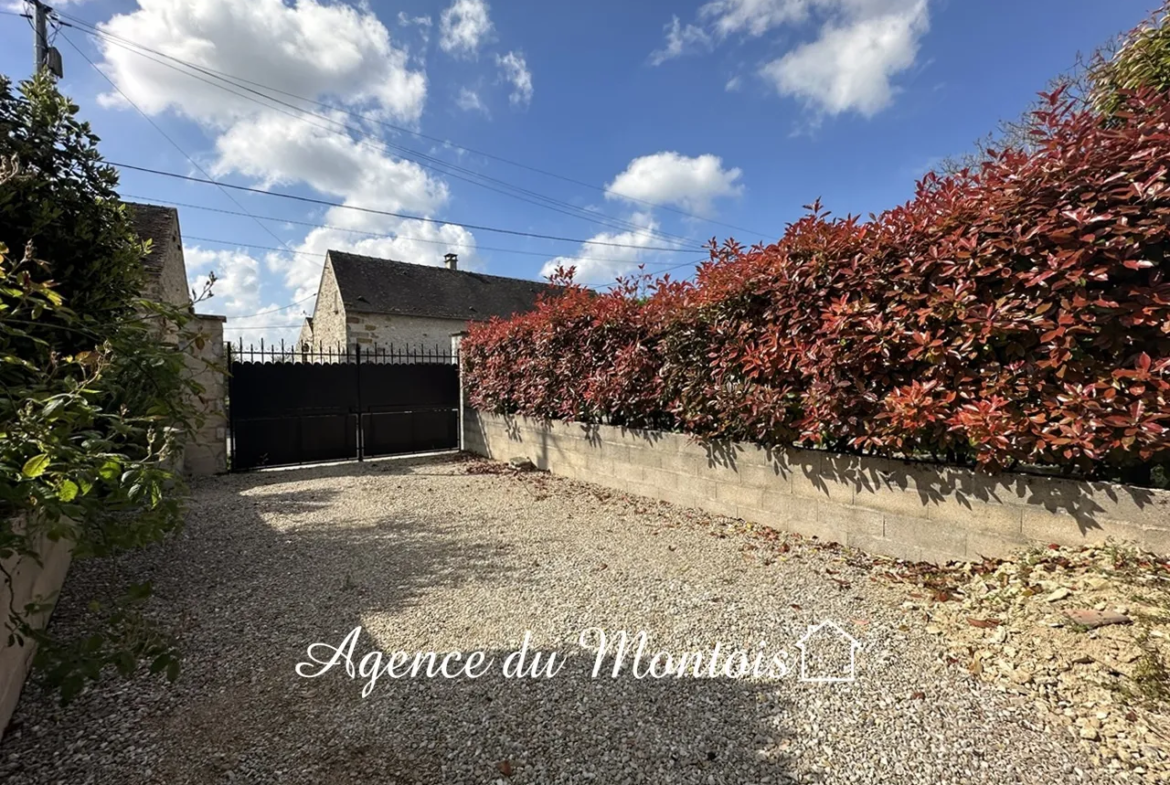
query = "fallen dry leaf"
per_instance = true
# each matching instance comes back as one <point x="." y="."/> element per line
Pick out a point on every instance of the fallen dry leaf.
<point x="984" y="623"/>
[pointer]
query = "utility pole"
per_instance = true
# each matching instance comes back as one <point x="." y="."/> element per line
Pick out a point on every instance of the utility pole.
<point x="40" y="30"/>
<point x="47" y="57"/>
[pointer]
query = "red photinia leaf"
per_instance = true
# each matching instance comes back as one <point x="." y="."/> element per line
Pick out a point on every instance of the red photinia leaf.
<point x="1015" y="313"/>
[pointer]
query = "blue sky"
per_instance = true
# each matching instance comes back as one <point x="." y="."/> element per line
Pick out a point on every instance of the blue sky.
<point x="686" y="119"/>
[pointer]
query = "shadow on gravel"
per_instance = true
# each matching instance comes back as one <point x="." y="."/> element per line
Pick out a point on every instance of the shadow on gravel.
<point x="570" y="728"/>
<point x="264" y="567"/>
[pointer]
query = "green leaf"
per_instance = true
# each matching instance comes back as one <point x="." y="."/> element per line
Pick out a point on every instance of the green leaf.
<point x="53" y="406"/>
<point x="35" y="466"/>
<point x="109" y="470"/>
<point x="68" y="491"/>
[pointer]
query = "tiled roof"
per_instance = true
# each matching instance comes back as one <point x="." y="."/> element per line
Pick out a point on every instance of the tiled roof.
<point x="156" y="223"/>
<point x="370" y="285"/>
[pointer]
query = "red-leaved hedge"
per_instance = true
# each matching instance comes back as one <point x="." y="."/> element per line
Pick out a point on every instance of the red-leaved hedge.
<point x="1015" y="314"/>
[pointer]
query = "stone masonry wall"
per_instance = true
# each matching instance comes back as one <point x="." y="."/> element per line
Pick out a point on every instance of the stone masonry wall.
<point x="329" y="314"/>
<point x="412" y="332"/>
<point x="894" y="508"/>
<point x="206" y="449"/>
<point x="305" y="336"/>
<point x="334" y="327"/>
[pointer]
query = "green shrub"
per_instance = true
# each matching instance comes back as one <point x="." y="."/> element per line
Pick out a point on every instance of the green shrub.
<point x="95" y="397"/>
<point x="1141" y="62"/>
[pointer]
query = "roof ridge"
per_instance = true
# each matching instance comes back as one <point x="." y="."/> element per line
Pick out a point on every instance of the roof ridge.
<point x="366" y="257"/>
<point x="369" y="284"/>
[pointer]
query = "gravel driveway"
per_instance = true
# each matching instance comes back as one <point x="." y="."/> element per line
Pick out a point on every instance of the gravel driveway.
<point x="442" y="555"/>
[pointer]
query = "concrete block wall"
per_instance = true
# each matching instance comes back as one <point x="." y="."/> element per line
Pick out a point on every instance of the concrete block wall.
<point x="893" y="508"/>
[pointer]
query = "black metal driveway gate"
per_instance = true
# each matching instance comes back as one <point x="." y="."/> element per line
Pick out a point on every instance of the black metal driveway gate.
<point x="297" y="406"/>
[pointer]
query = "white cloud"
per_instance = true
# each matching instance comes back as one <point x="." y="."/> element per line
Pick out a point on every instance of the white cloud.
<point x="600" y="263"/>
<point x="21" y="6"/>
<point x="515" y="69"/>
<point x="734" y="84"/>
<point x="273" y="150"/>
<point x="416" y="242"/>
<point x="680" y="40"/>
<point x="662" y="178"/>
<point x="336" y="53"/>
<point x="753" y="17"/>
<point x="463" y="27"/>
<point x="850" y="66"/>
<point x="423" y="23"/>
<point x="671" y="178"/>
<point x="409" y="21"/>
<point x="306" y="48"/>
<point x="237" y="285"/>
<point x="469" y="101"/>
<point x="237" y="295"/>
<point x="860" y="47"/>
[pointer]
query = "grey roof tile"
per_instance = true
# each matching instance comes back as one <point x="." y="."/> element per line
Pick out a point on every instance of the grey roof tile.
<point x="156" y="223"/>
<point x="370" y="285"/>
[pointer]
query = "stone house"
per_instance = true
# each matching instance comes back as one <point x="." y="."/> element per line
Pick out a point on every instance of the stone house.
<point x="365" y="301"/>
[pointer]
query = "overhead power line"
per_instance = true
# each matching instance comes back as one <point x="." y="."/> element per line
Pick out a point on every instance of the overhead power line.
<point x="391" y="214"/>
<point x="298" y="302"/>
<point x="321" y="256"/>
<point x="439" y="140"/>
<point x="251" y="245"/>
<point x="273" y="310"/>
<point x="375" y="235"/>
<point x="174" y="144"/>
<point x="422" y="159"/>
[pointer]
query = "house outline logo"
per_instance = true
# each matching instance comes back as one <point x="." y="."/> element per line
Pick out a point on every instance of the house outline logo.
<point x="816" y="629"/>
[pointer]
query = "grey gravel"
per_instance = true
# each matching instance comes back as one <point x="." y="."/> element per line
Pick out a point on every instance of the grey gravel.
<point x="427" y="556"/>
